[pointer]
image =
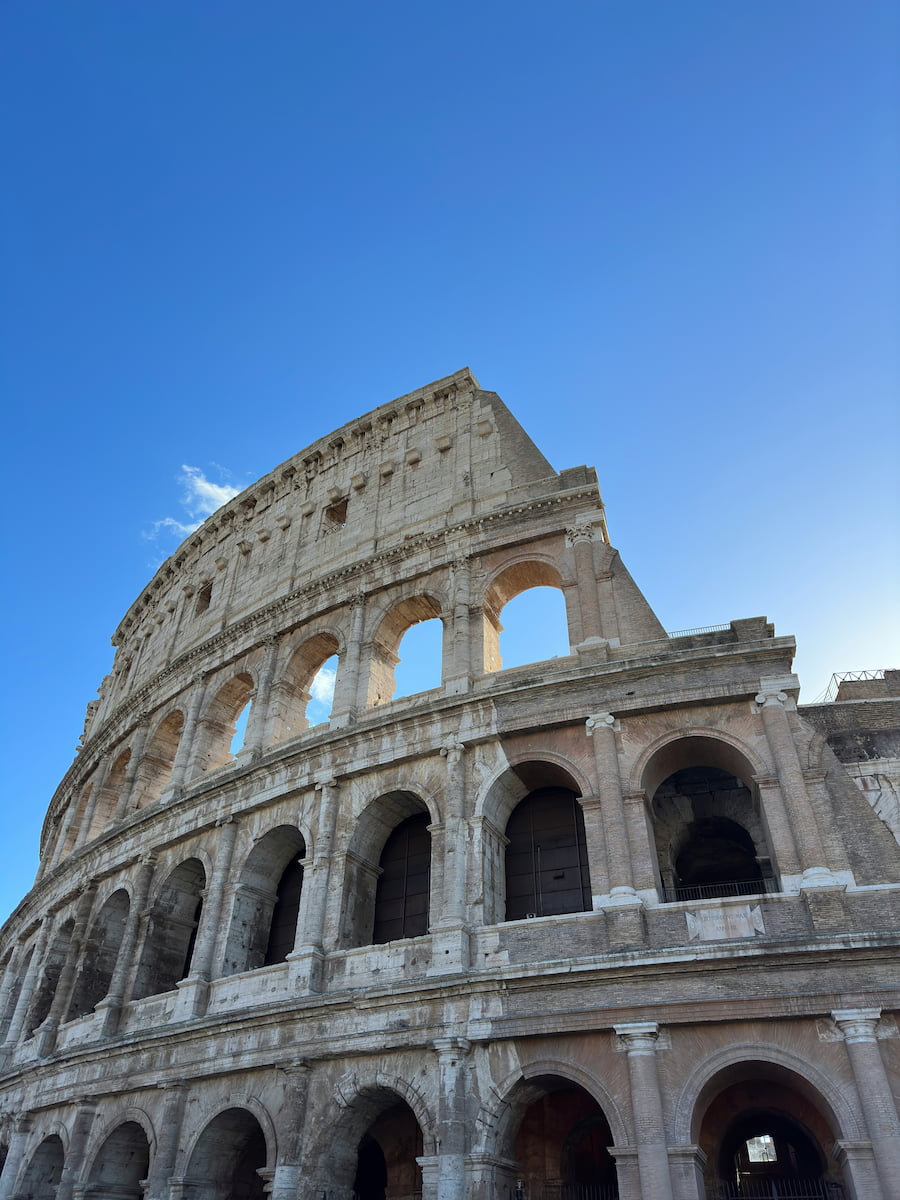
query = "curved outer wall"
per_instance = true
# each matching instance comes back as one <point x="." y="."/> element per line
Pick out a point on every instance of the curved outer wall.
<point x="159" y="1040"/>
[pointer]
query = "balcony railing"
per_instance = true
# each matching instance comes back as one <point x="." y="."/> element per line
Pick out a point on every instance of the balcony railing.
<point x="721" y="890"/>
<point x="780" y="1189"/>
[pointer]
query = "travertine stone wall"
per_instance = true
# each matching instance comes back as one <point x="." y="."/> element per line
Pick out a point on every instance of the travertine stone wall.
<point x="157" y="1042"/>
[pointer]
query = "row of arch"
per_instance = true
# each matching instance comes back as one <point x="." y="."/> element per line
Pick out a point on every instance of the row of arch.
<point x="264" y="704"/>
<point x="553" y="1129"/>
<point x="707" y="830"/>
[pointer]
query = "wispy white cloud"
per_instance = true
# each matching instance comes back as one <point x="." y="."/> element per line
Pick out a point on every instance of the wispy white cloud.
<point x="322" y="687"/>
<point x="200" y="498"/>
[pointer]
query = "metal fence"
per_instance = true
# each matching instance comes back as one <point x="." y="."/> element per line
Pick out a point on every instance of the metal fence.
<point x="781" y="1189"/>
<point x="714" y="891"/>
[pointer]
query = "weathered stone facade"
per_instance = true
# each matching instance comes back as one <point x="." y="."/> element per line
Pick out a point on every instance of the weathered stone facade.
<point x="619" y="921"/>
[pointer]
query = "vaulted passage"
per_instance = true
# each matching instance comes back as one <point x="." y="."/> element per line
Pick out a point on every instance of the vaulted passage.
<point x="44" y="1172"/>
<point x="121" y="1164"/>
<point x="562" y="1143"/>
<point x="267" y="902"/>
<point x="386" y="1167"/>
<point x="171" y="931"/>
<point x="228" y="1157"/>
<point x="99" y="958"/>
<point x="401" y="898"/>
<point x="767" y="1135"/>
<point x="546" y="858"/>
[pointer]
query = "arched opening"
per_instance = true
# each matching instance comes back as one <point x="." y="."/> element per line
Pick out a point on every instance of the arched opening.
<point x="230" y="1153"/>
<point x="44" y="1172"/>
<point x="221" y="737"/>
<point x="75" y="825"/>
<point x="401" y="897"/>
<point x="535" y="623"/>
<point x="766" y="1133"/>
<point x="546" y="856"/>
<point x="709" y="837"/>
<point x="108" y="799"/>
<point x="267" y="902"/>
<point x="99" y="956"/>
<point x="12" y="999"/>
<point x="303" y="695"/>
<point x="386" y="1166"/>
<point x="424" y="653"/>
<point x="171" y="931"/>
<point x="121" y="1164"/>
<point x="390" y="840"/>
<point x="53" y="964"/>
<point x="158" y="759"/>
<point x="560" y="1139"/>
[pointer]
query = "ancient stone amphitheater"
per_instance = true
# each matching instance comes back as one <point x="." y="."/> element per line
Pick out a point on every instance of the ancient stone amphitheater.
<point x="621" y="923"/>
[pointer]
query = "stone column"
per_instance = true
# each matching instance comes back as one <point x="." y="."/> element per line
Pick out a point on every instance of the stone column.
<point x="451" y="1117"/>
<point x="257" y="722"/>
<point x="640" y="1040"/>
<point x="308" y="956"/>
<point x="162" y="1164"/>
<point x="185" y="752"/>
<point x="459" y="671"/>
<point x="66" y="982"/>
<point x="581" y="538"/>
<point x="778" y="828"/>
<point x="623" y="906"/>
<point x="10" y="975"/>
<point x="601" y="728"/>
<point x="801" y="814"/>
<point x="349" y="696"/>
<point x="29" y="983"/>
<point x="286" y="1179"/>
<point x="194" y="990"/>
<point x="22" y="1126"/>
<point x="81" y="1128"/>
<point x="858" y="1027"/>
<point x="450" y="939"/>
<point x="128" y="796"/>
<point x="592" y="808"/>
<point x="122" y="981"/>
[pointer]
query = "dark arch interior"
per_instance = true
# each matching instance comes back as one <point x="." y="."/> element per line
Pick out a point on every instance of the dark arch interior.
<point x="386" y="1166"/>
<point x="562" y="1145"/>
<point x="546" y="856"/>
<point x="44" y="1172"/>
<point x="765" y="1146"/>
<point x="228" y="1157"/>
<point x="283" y="929"/>
<point x="703" y="817"/>
<point x="122" y="1162"/>
<point x="401" y="897"/>
<point x="765" y="1134"/>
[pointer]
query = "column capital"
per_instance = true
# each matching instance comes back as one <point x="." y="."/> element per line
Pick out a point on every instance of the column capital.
<point x="324" y="781"/>
<point x="583" y="531"/>
<point x="857" y="1024"/>
<point x="452" y="751"/>
<point x="598" y="720"/>
<point x="640" y="1037"/>
<point x="450" y="1049"/>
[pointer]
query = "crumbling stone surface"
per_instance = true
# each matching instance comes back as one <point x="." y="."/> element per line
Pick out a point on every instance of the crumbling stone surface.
<point x="289" y="967"/>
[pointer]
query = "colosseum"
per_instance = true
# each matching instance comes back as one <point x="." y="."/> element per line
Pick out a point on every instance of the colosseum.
<point x="620" y="923"/>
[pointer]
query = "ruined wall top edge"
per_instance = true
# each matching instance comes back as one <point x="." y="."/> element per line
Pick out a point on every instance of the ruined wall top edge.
<point x="426" y="461"/>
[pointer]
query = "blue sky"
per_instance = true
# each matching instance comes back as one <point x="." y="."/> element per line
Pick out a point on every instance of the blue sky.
<point x="665" y="233"/>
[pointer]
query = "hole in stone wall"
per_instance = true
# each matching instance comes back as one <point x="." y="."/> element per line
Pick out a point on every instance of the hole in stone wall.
<point x="321" y="692"/>
<point x="534" y="627"/>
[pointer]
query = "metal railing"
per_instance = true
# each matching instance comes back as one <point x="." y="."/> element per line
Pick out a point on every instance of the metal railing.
<point x="722" y="890"/>
<point x="830" y="693"/>
<point x="780" y="1189"/>
<point x="700" y="629"/>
